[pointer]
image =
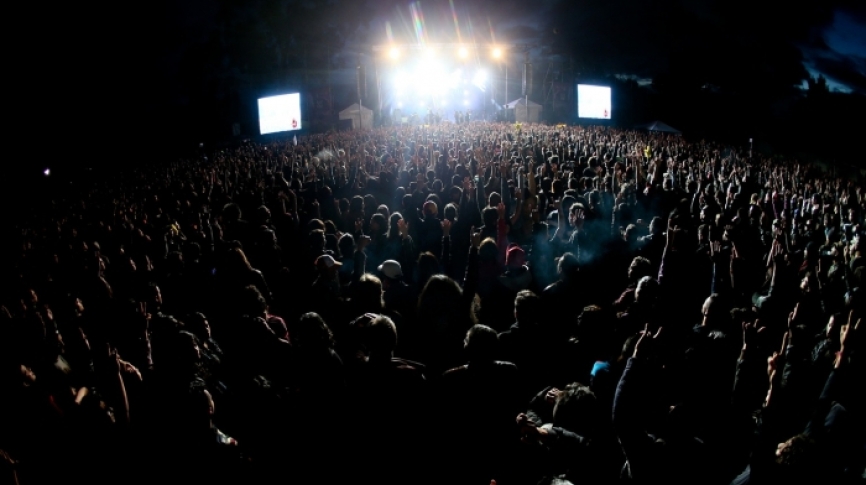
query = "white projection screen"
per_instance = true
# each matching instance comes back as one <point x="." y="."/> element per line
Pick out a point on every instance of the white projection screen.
<point x="280" y="113"/>
<point x="593" y="102"/>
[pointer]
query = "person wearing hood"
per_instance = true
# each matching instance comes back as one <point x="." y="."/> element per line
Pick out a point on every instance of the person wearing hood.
<point x="517" y="276"/>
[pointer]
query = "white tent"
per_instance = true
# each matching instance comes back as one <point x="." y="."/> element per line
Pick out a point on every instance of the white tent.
<point x="520" y="114"/>
<point x="662" y="127"/>
<point x="361" y="118"/>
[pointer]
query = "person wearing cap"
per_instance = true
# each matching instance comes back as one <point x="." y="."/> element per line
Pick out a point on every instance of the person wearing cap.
<point x="326" y="293"/>
<point x="516" y="276"/>
<point x="397" y="295"/>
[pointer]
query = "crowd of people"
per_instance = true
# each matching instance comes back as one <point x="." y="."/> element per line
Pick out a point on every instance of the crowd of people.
<point x="441" y="304"/>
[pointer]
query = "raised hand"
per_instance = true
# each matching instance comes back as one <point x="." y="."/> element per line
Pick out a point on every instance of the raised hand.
<point x="715" y="249"/>
<point x="500" y="209"/>
<point x="363" y="242"/>
<point x="751" y="331"/>
<point x="446" y="227"/>
<point x="403" y="227"/>
<point x="646" y="341"/>
<point x="848" y="332"/>
<point x="475" y="237"/>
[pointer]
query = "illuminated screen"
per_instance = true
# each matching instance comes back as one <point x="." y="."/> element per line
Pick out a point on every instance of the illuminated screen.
<point x="280" y="113"/>
<point x="593" y="102"/>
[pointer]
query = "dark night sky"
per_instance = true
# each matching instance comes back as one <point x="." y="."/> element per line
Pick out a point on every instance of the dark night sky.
<point x="617" y="36"/>
<point x="129" y="69"/>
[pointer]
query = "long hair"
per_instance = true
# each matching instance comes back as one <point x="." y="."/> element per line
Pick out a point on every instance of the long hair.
<point x="428" y="266"/>
<point x="236" y="261"/>
<point x="393" y="227"/>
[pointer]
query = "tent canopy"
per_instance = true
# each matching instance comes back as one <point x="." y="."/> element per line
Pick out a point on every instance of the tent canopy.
<point x="361" y="118"/>
<point x="521" y="102"/>
<point x="662" y="127"/>
<point x="353" y="111"/>
<point x="523" y="112"/>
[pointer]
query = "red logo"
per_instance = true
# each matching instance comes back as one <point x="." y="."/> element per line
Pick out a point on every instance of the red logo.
<point x="294" y="123"/>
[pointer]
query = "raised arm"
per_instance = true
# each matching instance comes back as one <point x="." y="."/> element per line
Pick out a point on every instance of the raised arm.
<point x="628" y="405"/>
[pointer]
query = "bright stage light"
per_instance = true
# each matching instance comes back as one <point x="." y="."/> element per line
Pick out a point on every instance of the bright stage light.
<point x="47" y="172"/>
<point x="454" y="79"/>
<point x="400" y="104"/>
<point x="394" y="53"/>
<point x="497" y="52"/>
<point x="479" y="80"/>
<point x="463" y="53"/>
<point x="466" y="102"/>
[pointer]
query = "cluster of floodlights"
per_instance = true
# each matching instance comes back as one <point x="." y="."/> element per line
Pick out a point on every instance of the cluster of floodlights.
<point x="427" y="79"/>
<point x="395" y="52"/>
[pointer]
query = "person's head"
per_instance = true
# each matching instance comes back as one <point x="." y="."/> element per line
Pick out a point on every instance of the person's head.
<point x="380" y="338"/>
<point x="576" y="409"/>
<point x="356" y="206"/>
<point x="631" y="234"/>
<point x="451" y="212"/>
<point x="231" y="212"/>
<point x="488" y="251"/>
<point x="490" y="215"/>
<point x="370" y="204"/>
<point x="656" y="226"/>
<point x="327" y="266"/>
<point x="594" y="329"/>
<point x="438" y="294"/>
<point x="391" y="271"/>
<point x="311" y="333"/>
<point x="346" y="245"/>
<point x="153" y="297"/>
<point x="393" y="224"/>
<point x="808" y="283"/>
<point x="647" y="290"/>
<point x="367" y="293"/>
<point x="331" y="243"/>
<point x="251" y="302"/>
<point x="454" y="194"/>
<point x="378" y="224"/>
<point x="567" y="267"/>
<point x="427" y="266"/>
<point x="317" y="239"/>
<point x="799" y="458"/>
<point x="430" y="210"/>
<point x="494" y="199"/>
<point x="330" y="227"/>
<point x="480" y="344"/>
<point x="714" y="312"/>
<point x="197" y="324"/>
<point x="527" y="307"/>
<point x="515" y="257"/>
<point x="639" y="267"/>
